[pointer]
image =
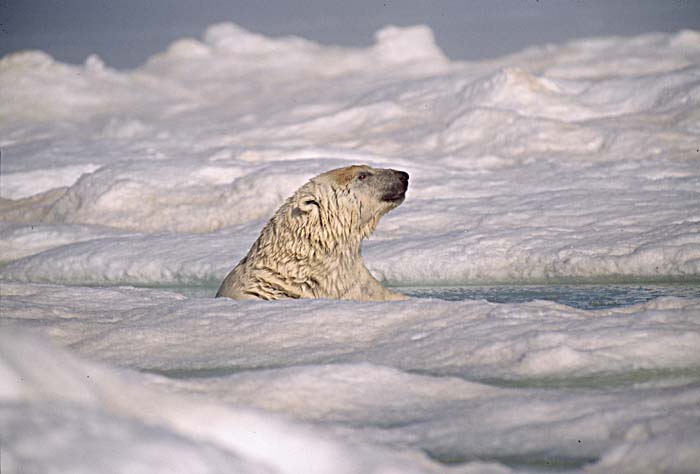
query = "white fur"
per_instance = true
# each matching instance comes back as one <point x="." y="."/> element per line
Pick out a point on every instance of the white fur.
<point x="311" y="248"/>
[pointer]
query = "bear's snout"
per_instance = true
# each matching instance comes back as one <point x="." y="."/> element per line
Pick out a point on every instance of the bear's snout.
<point x="403" y="176"/>
<point x="397" y="188"/>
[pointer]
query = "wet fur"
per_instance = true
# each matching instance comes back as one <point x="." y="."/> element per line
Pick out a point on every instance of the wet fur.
<point x="311" y="248"/>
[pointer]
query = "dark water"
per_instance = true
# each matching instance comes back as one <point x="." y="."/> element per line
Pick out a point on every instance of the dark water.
<point x="601" y="296"/>
<point x="577" y="296"/>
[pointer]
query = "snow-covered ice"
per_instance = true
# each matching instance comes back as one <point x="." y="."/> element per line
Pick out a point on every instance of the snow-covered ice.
<point x="565" y="163"/>
<point x="380" y="387"/>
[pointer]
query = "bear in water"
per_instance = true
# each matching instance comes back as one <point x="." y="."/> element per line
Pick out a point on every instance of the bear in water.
<point x="311" y="248"/>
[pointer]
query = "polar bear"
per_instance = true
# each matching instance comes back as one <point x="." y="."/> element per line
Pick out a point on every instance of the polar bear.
<point x="311" y="248"/>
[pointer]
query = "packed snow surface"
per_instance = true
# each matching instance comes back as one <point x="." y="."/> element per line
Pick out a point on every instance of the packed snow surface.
<point x="573" y="163"/>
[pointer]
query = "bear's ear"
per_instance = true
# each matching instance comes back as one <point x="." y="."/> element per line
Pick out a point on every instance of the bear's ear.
<point x="304" y="205"/>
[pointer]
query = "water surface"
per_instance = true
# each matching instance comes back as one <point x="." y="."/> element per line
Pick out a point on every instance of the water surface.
<point x="577" y="296"/>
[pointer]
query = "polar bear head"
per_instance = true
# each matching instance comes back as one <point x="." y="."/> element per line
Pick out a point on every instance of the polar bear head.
<point x="348" y="202"/>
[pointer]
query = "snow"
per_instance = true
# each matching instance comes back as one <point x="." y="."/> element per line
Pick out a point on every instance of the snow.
<point x="566" y="163"/>
<point x="420" y="376"/>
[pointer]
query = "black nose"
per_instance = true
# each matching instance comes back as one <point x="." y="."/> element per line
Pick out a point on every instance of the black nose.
<point x="403" y="176"/>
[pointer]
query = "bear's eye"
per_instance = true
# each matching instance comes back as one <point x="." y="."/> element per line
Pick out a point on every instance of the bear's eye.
<point x="362" y="176"/>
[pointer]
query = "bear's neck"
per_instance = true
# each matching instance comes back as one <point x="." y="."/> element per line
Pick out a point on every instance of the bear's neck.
<point x="316" y="262"/>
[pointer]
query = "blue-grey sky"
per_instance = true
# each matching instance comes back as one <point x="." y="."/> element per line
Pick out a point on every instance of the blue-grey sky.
<point x="126" y="32"/>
